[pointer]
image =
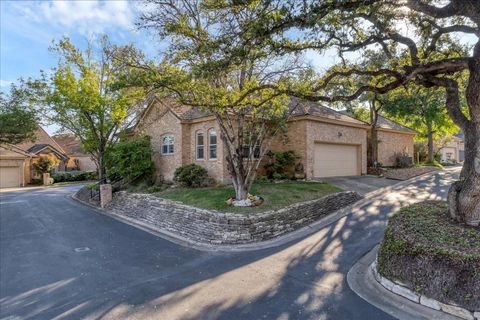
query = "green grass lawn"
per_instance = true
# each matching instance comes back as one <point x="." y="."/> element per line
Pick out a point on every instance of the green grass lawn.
<point x="276" y="195"/>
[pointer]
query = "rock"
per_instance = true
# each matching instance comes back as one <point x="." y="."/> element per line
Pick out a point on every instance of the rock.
<point x="406" y="293"/>
<point x="457" y="311"/>
<point x="431" y="303"/>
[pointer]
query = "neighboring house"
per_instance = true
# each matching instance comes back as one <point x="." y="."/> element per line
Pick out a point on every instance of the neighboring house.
<point x="15" y="166"/>
<point x="453" y="150"/>
<point x="77" y="159"/>
<point x="329" y="143"/>
<point x="393" y="138"/>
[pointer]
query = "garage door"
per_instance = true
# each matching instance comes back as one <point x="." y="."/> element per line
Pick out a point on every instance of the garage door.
<point x="9" y="177"/>
<point x="331" y="160"/>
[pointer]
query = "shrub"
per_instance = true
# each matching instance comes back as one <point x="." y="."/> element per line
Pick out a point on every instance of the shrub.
<point x="45" y="164"/>
<point x="130" y="160"/>
<point x="192" y="175"/>
<point x="402" y="160"/>
<point x="281" y="165"/>
<point x="74" y="176"/>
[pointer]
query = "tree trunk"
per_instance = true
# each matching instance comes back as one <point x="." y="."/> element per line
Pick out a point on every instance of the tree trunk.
<point x="101" y="168"/>
<point x="373" y="135"/>
<point x="241" y="189"/>
<point x="430" y="141"/>
<point x="464" y="195"/>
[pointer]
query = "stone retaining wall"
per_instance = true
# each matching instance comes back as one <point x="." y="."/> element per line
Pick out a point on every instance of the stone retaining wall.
<point x="402" y="290"/>
<point x="214" y="227"/>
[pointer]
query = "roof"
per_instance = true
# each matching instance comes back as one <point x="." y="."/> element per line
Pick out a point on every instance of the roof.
<point x="297" y="107"/>
<point x="70" y="143"/>
<point x="41" y="146"/>
<point x="386" y="123"/>
<point x="304" y="108"/>
<point x="15" y="149"/>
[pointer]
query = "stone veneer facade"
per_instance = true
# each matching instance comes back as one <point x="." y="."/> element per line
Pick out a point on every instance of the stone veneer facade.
<point x="212" y="227"/>
<point x="393" y="142"/>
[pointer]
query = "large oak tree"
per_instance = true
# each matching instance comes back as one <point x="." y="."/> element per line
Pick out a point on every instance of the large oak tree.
<point x="418" y="39"/>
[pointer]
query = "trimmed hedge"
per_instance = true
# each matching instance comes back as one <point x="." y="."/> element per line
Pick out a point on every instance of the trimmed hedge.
<point x="192" y="175"/>
<point x="432" y="254"/>
<point x="74" y="176"/>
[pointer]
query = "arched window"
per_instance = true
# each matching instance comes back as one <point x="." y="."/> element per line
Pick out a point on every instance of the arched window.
<point x="200" y="142"/>
<point x="212" y="144"/>
<point x="168" y="144"/>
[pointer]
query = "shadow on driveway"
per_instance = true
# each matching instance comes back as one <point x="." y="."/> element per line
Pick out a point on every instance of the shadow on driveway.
<point x="360" y="184"/>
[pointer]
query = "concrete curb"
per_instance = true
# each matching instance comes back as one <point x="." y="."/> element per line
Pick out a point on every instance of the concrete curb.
<point x="398" y="288"/>
<point x="361" y="280"/>
<point x="283" y="239"/>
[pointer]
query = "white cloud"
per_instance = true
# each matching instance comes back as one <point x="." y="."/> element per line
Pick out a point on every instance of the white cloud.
<point x="5" y="83"/>
<point x="86" y="17"/>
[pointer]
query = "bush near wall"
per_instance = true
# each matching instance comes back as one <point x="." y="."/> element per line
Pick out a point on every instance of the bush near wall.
<point x="74" y="176"/>
<point x="433" y="255"/>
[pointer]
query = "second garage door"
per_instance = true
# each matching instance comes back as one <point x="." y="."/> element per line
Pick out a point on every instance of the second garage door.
<point x="9" y="177"/>
<point x="332" y="160"/>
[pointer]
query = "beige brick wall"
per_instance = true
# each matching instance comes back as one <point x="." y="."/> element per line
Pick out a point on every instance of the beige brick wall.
<point x="158" y="122"/>
<point x="334" y="133"/>
<point x="216" y="167"/>
<point x="392" y="142"/>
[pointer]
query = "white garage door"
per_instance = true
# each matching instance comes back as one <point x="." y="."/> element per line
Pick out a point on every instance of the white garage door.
<point x="331" y="160"/>
<point x="9" y="177"/>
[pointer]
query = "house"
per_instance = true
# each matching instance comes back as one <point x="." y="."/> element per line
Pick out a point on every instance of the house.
<point x="393" y="138"/>
<point x="15" y="166"/>
<point x="329" y="143"/>
<point x="77" y="159"/>
<point x="453" y="150"/>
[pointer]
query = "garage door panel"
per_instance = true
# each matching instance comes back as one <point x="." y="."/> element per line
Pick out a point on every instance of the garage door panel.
<point x="9" y="177"/>
<point x="335" y="160"/>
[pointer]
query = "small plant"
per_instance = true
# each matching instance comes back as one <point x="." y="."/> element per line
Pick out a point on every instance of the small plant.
<point x="45" y="164"/>
<point x="74" y="176"/>
<point x="282" y="165"/>
<point x="192" y="175"/>
<point x="402" y="160"/>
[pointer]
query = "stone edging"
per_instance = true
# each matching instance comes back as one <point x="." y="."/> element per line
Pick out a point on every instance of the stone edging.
<point x="207" y="227"/>
<point x="401" y="290"/>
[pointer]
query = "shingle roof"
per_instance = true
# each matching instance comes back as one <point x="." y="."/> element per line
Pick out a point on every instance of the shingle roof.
<point x="386" y="123"/>
<point x="40" y="146"/>
<point x="69" y="143"/>
<point x="302" y="108"/>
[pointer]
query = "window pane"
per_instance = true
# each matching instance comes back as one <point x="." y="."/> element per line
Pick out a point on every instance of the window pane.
<point x="256" y="152"/>
<point x="213" y="137"/>
<point x="170" y="148"/>
<point x="164" y="149"/>
<point x="199" y="139"/>
<point x="200" y="153"/>
<point x="213" y="152"/>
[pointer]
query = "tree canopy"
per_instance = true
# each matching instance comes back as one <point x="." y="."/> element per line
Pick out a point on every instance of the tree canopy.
<point x="18" y="121"/>
<point x="81" y="95"/>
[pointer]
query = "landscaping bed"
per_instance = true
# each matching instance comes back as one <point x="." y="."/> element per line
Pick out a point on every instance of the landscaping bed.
<point x="430" y="254"/>
<point x="276" y="195"/>
<point x="408" y="173"/>
<point x="214" y="227"/>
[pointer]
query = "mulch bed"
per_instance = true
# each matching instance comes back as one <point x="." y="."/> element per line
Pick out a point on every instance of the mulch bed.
<point x="433" y="255"/>
<point x="407" y="173"/>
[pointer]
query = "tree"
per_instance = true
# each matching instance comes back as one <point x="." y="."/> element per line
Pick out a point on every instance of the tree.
<point x="423" y="110"/>
<point x="200" y="71"/>
<point x="418" y="37"/>
<point x="80" y="95"/>
<point x="17" y="121"/>
<point x="45" y="164"/>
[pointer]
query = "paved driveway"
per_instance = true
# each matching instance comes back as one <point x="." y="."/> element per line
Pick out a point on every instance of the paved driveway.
<point x="360" y="184"/>
<point x="46" y="272"/>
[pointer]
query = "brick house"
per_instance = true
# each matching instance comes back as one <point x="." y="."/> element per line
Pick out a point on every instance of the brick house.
<point x="77" y="159"/>
<point x="329" y="143"/>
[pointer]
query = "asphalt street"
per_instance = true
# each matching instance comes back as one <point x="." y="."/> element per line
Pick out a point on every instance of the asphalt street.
<point x="62" y="260"/>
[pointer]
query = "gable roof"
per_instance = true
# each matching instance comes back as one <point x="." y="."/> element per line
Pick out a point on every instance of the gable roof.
<point x="41" y="137"/>
<point x="17" y="150"/>
<point x="297" y="107"/>
<point x="70" y="144"/>
<point x="304" y="108"/>
<point x="36" y="148"/>
<point x="386" y="123"/>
